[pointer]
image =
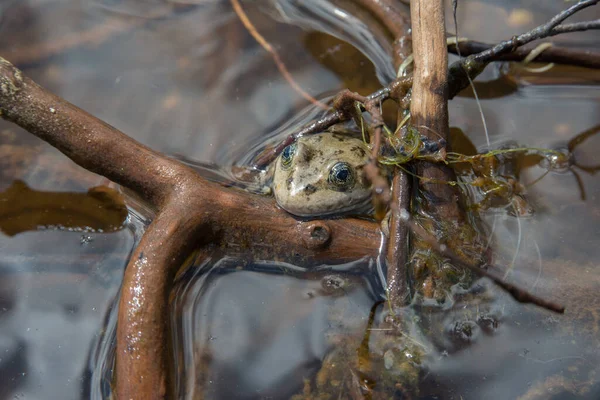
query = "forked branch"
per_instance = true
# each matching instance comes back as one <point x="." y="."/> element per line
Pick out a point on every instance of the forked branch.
<point x="191" y="213"/>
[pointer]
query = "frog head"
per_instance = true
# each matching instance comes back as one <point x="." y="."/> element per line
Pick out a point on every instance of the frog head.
<point x="322" y="175"/>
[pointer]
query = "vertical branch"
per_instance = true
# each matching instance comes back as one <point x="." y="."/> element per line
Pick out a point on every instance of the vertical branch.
<point x="429" y="106"/>
<point x="396" y="19"/>
<point x="397" y="247"/>
<point x="437" y="204"/>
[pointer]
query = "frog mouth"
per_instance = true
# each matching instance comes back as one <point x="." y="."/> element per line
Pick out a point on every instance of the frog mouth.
<point x="363" y="207"/>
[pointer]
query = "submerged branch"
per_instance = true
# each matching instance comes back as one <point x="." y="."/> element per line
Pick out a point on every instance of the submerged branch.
<point x="396" y="18"/>
<point x="519" y="294"/>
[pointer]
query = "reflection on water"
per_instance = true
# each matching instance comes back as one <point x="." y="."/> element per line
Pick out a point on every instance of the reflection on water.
<point x="22" y="209"/>
<point x="185" y="78"/>
<point x="55" y="289"/>
<point x="260" y="330"/>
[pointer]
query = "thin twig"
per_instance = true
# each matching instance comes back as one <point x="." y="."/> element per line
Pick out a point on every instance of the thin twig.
<point x="237" y="7"/>
<point x="550" y="28"/>
<point x="396" y="18"/>
<point x="554" y="54"/>
<point x="576" y="27"/>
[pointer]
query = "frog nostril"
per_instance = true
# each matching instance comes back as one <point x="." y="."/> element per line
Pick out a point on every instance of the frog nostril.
<point x="310" y="189"/>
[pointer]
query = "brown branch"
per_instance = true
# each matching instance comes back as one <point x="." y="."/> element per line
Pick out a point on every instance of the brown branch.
<point x="396" y="18"/>
<point x="429" y="106"/>
<point x="191" y="212"/>
<point x="557" y="55"/>
<point x="438" y="203"/>
<point x="344" y="109"/>
<point x="142" y="366"/>
<point x="397" y="251"/>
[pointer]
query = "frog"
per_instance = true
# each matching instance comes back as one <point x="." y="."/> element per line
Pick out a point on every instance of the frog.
<point x="321" y="175"/>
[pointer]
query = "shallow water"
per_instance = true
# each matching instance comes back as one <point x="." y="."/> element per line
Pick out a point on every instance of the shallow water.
<point x="187" y="79"/>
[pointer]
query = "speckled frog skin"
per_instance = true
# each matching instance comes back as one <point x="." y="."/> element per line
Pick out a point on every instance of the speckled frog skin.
<point x="322" y="175"/>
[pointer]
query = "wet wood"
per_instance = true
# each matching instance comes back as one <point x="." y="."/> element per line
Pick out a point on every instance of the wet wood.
<point x="191" y="213"/>
<point x="397" y="251"/>
<point x="429" y="106"/>
<point x="396" y="18"/>
<point x="438" y="205"/>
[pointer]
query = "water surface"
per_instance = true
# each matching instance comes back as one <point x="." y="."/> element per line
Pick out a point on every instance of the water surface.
<point x="187" y="79"/>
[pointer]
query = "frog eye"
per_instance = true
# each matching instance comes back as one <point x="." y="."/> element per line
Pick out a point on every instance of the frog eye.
<point x="341" y="177"/>
<point x="287" y="155"/>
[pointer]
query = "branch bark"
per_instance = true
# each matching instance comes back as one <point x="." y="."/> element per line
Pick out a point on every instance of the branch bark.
<point x="437" y="202"/>
<point x="429" y="106"/>
<point x="396" y="18"/>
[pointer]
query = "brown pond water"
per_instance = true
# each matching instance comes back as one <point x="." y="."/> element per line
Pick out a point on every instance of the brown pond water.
<point x="186" y="78"/>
